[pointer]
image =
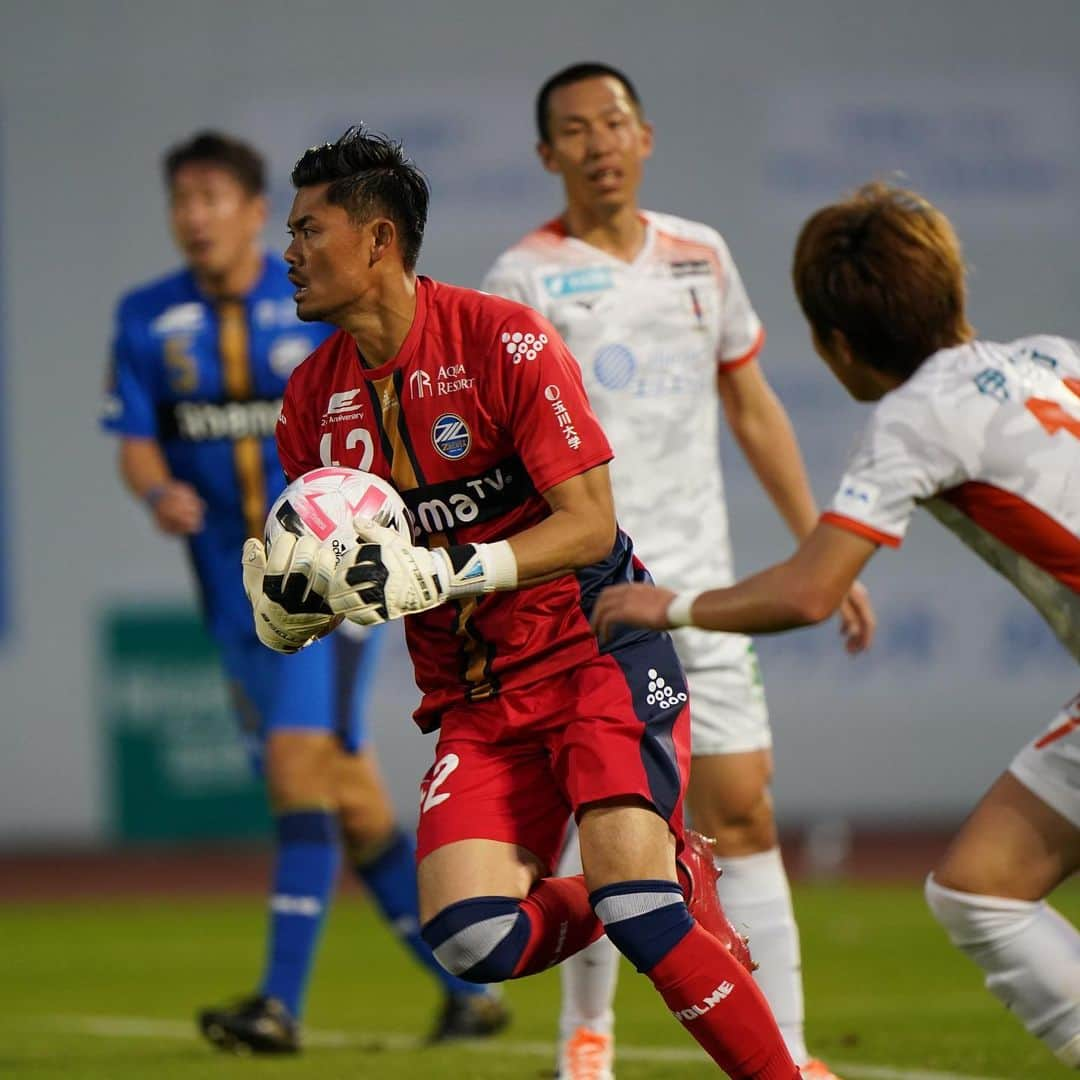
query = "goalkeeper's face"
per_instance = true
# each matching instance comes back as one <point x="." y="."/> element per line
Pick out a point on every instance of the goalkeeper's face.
<point x="333" y="261"/>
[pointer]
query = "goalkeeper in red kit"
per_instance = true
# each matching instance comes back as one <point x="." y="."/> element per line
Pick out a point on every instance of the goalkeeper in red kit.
<point x="472" y="406"/>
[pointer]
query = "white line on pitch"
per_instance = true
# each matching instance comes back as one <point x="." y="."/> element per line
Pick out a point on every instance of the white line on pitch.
<point x="142" y="1027"/>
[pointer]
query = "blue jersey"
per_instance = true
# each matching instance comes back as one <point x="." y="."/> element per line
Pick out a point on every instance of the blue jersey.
<point x="205" y="378"/>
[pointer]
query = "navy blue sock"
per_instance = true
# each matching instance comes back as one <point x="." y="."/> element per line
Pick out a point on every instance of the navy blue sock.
<point x="644" y="920"/>
<point x="305" y="872"/>
<point x="391" y="880"/>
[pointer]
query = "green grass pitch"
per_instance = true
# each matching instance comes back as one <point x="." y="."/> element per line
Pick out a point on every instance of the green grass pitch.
<point x="107" y="991"/>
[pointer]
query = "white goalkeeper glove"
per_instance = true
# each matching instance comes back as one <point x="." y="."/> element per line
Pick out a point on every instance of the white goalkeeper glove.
<point x="287" y="591"/>
<point x="386" y="577"/>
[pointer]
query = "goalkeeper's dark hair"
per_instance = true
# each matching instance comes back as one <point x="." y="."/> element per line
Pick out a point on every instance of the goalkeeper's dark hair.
<point x="239" y="158"/>
<point x="370" y="174"/>
<point x="576" y="73"/>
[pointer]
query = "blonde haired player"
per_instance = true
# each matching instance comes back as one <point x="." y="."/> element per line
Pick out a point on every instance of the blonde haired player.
<point x="985" y="436"/>
<point x="653" y="308"/>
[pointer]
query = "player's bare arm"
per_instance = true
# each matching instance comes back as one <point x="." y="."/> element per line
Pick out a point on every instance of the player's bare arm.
<point x="386" y="577"/>
<point x="579" y="532"/>
<point x="764" y="432"/>
<point x="177" y="508"/>
<point x="801" y="591"/>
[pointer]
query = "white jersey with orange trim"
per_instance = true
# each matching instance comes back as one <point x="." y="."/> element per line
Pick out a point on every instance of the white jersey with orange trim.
<point x="649" y="335"/>
<point x="987" y="437"/>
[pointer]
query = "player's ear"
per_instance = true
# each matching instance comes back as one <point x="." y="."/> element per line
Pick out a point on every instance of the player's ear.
<point x="647" y="138"/>
<point x="832" y="347"/>
<point x="260" y="209"/>
<point x="383" y="234"/>
<point x="547" y="158"/>
<point x="841" y="347"/>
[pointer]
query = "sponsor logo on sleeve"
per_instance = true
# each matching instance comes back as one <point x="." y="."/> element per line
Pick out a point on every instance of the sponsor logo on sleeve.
<point x="523" y="346"/>
<point x="562" y="416"/>
<point x="450" y="437"/>
<point x="856" y="497"/>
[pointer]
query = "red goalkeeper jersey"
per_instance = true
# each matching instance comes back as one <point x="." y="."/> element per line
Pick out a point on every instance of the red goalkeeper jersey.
<point x="481" y="411"/>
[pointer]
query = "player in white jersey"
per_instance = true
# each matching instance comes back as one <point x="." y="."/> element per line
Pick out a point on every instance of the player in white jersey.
<point x="985" y="436"/>
<point x="654" y="310"/>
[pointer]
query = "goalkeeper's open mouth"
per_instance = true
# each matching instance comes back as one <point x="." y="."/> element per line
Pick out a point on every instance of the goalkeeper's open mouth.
<point x="301" y="286"/>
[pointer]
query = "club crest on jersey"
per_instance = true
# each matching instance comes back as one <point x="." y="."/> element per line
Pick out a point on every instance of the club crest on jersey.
<point x="450" y="437"/>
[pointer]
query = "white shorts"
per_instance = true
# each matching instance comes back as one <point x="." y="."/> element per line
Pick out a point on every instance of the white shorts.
<point x="1050" y="765"/>
<point x="728" y="714"/>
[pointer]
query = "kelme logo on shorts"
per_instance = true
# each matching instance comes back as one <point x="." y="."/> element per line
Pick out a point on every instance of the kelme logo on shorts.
<point x="660" y="693"/>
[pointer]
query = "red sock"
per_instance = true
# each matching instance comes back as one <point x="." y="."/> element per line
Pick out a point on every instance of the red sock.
<point x="561" y="923"/>
<point x="718" y="1002"/>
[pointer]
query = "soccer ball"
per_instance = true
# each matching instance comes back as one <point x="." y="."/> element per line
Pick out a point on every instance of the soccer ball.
<point x="324" y="503"/>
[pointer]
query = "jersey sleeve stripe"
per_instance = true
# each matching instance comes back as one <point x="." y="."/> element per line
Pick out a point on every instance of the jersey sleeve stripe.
<point x="746" y="357"/>
<point x="1024" y="528"/>
<point x="868" y="532"/>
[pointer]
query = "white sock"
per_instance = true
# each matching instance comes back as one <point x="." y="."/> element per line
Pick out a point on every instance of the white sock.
<point x="588" y="977"/>
<point x="1030" y="954"/>
<point x="755" y="894"/>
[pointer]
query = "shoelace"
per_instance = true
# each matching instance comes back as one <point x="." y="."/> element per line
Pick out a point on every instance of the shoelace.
<point x="586" y="1054"/>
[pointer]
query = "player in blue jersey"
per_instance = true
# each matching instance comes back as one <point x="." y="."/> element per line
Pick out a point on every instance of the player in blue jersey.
<point x="200" y="361"/>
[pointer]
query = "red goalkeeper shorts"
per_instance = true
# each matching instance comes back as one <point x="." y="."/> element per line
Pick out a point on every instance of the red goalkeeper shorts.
<point x="514" y="768"/>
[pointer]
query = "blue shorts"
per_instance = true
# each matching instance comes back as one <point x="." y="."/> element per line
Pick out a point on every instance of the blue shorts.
<point x="322" y="688"/>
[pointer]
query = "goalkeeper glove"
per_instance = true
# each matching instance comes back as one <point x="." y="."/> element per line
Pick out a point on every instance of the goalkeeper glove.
<point x="386" y="577"/>
<point x="287" y="592"/>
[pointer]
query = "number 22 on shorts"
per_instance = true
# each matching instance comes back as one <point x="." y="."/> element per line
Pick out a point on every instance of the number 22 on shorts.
<point x="430" y="796"/>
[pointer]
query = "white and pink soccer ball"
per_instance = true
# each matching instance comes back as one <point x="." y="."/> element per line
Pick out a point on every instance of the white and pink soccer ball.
<point x="324" y="503"/>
